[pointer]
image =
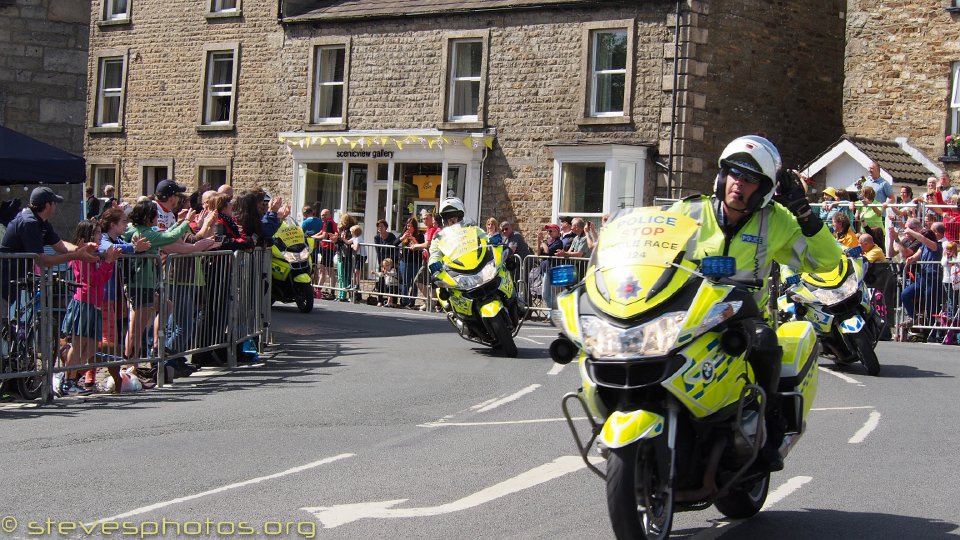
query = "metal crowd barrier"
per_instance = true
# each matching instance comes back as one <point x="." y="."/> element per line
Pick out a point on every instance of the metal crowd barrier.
<point x="538" y="294"/>
<point x="928" y="306"/>
<point x="355" y="275"/>
<point x="51" y="323"/>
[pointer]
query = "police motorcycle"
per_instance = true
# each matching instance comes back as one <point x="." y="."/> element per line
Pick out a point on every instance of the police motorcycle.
<point x="839" y="307"/>
<point x="292" y="267"/>
<point x="474" y="288"/>
<point x="661" y="343"/>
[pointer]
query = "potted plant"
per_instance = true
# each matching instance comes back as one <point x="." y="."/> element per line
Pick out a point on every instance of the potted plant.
<point x="952" y="143"/>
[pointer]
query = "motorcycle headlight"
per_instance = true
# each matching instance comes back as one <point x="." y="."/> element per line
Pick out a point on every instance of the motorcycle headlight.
<point x="603" y="340"/>
<point x="472" y="281"/>
<point x="848" y="288"/>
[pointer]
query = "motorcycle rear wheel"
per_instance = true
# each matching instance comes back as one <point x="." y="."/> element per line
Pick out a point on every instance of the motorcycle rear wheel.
<point x="744" y="502"/>
<point x="501" y="332"/>
<point x="305" y="297"/>
<point x="638" y="508"/>
<point x="868" y="356"/>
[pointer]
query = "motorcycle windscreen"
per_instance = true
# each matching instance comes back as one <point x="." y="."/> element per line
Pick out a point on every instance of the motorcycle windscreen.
<point x="290" y="235"/>
<point x="462" y="247"/>
<point x="631" y="270"/>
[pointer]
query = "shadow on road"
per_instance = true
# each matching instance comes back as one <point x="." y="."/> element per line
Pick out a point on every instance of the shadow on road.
<point x="810" y="524"/>
<point x="887" y="371"/>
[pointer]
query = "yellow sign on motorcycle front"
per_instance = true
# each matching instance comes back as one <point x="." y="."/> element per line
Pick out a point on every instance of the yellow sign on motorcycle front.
<point x="647" y="236"/>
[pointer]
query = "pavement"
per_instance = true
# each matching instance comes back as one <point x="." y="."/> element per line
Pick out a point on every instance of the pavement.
<point x="363" y="422"/>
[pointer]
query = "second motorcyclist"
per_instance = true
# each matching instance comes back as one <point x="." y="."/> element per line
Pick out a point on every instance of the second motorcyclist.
<point x="741" y="220"/>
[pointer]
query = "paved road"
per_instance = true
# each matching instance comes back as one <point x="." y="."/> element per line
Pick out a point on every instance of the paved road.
<point x="367" y="423"/>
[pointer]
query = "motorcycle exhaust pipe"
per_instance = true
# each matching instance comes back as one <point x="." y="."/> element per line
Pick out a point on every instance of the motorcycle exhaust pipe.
<point x="562" y="350"/>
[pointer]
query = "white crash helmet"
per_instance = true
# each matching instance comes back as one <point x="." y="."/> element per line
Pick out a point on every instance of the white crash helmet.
<point x="450" y="207"/>
<point x="756" y="155"/>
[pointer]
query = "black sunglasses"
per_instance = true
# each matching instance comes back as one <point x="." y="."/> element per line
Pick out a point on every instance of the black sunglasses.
<point x="742" y="176"/>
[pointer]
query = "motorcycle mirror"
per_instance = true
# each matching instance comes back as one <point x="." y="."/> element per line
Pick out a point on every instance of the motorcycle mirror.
<point x="562" y="350"/>
<point x="718" y="266"/>
<point x="563" y="275"/>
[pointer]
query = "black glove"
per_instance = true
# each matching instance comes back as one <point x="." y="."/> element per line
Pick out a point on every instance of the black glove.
<point x="790" y="193"/>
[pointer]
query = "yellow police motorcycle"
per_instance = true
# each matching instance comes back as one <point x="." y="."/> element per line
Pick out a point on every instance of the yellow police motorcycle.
<point x="672" y="403"/>
<point x="292" y="267"/>
<point x="475" y="289"/>
<point x="840" y="308"/>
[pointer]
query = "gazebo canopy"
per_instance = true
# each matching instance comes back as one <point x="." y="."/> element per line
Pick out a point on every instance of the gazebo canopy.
<point x="25" y="160"/>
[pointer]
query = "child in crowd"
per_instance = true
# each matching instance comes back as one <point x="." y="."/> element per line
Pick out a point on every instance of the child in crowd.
<point x="83" y="321"/>
<point x="359" y="259"/>
<point x="388" y="282"/>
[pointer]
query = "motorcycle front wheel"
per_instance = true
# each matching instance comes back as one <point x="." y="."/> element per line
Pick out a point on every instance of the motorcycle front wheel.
<point x="304" y="297"/>
<point x="638" y="504"/>
<point x="501" y="332"/>
<point x="868" y="356"/>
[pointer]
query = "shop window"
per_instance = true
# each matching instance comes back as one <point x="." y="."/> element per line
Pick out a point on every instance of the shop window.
<point x="329" y="84"/>
<point x="219" y="88"/>
<point x="323" y="184"/>
<point x="108" y="107"/>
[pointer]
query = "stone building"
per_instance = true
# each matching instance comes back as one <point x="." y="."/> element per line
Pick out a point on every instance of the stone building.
<point x="903" y="75"/>
<point x="526" y="109"/>
<point x="43" y="81"/>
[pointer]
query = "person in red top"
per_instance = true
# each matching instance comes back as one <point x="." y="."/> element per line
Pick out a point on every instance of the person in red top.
<point x="83" y="321"/>
<point x="328" y="236"/>
<point x="422" y="278"/>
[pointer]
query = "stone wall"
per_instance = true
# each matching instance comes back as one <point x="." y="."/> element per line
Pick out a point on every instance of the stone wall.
<point x="43" y="73"/>
<point x="898" y="72"/>
<point x="773" y="68"/>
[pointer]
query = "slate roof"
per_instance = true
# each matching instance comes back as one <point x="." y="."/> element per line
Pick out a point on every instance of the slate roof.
<point x="319" y="10"/>
<point x="890" y="157"/>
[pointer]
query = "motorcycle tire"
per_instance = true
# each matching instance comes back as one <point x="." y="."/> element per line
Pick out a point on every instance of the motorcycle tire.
<point x="632" y="471"/>
<point x="744" y="502"/>
<point x="304" y="298"/>
<point x="29" y="387"/>
<point x="501" y="332"/>
<point x="868" y="356"/>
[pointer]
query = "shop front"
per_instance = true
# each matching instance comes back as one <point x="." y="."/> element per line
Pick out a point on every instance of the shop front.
<point x="391" y="175"/>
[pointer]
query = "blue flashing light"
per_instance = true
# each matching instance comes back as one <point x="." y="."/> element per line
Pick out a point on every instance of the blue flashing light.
<point x="793" y="280"/>
<point x="855" y="251"/>
<point x="563" y="275"/>
<point x="718" y="267"/>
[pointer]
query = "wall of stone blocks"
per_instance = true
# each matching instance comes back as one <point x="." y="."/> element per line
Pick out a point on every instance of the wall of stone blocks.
<point x="753" y="66"/>
<point x="898" y="70"/>
<point x="43" y="73"/>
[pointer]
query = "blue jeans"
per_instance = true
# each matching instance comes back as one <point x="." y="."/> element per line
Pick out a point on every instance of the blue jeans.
<point x="408" y="272"/>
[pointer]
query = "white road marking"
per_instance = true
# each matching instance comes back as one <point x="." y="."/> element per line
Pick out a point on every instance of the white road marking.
<point x="842" y="408"/>
<point x="334" y="516"/>
<point x="554" y="336"/>
<point x="441" y="423"/>
<point x="531" y="340"/>
<point x="785" y="490"/>
<point x="721" y="527"/>
<point x="556" y="369"/>
<point x="869" y="426"/>
<point x="850" y="380"/>
<point x="152" y="507"/>
<point x="479" y="405"/>
<point x="509" y="398"/>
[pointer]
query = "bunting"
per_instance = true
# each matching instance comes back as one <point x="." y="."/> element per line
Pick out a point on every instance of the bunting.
<point x="430" y="141"/>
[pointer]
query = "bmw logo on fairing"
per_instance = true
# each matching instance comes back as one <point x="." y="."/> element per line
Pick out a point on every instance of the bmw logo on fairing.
<point x="706" y="371"/>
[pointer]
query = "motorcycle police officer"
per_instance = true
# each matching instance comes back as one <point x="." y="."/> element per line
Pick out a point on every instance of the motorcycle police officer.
<point x="741" y="220"/>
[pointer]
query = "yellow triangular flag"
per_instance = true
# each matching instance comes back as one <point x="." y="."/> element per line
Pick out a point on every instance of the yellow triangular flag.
<point x="488" y="142"/>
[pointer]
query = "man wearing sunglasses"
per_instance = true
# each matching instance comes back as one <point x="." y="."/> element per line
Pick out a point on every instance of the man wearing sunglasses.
<point x="741" y="220"/>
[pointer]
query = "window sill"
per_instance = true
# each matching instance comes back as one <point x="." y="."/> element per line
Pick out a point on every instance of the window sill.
<point x="456" y="126"/>
<point x="104" y="129"/>
<point x="215" y="127"/>
<point x="342" y="126"/>
<point x="224" y="15"/>
<point x="949" y="159"/>
<point x="113" y="23"/>
<point x="604" y="120"/>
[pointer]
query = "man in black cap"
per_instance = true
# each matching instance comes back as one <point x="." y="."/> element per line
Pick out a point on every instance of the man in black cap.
<point x="30" y="231"/>
<point x="169" y="196"/>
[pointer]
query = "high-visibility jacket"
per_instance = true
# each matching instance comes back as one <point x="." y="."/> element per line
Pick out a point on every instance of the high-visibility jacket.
<point x="770" y="235"/>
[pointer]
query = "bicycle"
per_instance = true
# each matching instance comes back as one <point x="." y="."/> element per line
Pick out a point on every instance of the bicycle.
<point x="20" y="340"/>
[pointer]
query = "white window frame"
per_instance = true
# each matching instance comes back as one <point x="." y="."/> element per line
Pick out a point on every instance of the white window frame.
<point x="319" y="84"/>
<point x="470" y="79"/>
<point x="955" y="98"/>
<point x="104" y="93"/>
<point x="595" y="74"/>
<point x="210" y="91"/>
<point x="613" y="157"/>
<point x="111" y="14"/>
<point x="217" y="6"/>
